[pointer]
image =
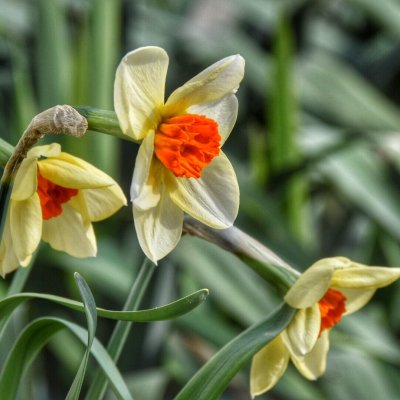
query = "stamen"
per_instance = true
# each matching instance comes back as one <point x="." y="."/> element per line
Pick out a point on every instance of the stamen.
<point x="187" y="144"/>
<point x="332" y="307"/>
<point x="52" y="196"/>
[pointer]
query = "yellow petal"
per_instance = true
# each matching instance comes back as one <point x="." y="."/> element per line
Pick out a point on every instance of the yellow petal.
<point x="25" y="182"/>
<point x="78" y="202"/>
<point x="312" y="284"/>
<point x="48" y="150"/>
<point x="362" y="276"/>
<point x="26" y="226"/>
<point x="356" y="298"/>
<point x="103" y="202"/>
<point x="313" y="365"/>
<point x="70" y="172"/>
<point x="68" y="232"/>
<point x="139" y="90"/>
<point x="214" y="83"/>
<point x="223" y="111"/>
<point x="303" y="331"/>
<point x="268" y="366"/>
<point x="8" y="259"/>
<point x="159" y="228"/>
<point x="147" y="176"/>
<point x="212" y="199"/>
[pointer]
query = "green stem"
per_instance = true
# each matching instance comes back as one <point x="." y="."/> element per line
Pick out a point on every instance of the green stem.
<point x="20" y="277"/>
<point x="103" y="121"/>
<point x="258" y="257"/>
<point x="122" y="328"/>
<point x="6" y="151"/>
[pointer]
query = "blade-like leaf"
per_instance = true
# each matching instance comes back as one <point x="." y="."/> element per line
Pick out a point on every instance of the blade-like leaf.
<point x="211" y="380"/>
<point x="91" y="317"/>
<point x="169" y="311"/>
<point x="360" y="177"/>
<point x="121" y="331"/>
<point x="31" y="341"/>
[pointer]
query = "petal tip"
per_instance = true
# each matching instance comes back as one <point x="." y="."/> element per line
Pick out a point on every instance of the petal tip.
<point x="144" y="55"/>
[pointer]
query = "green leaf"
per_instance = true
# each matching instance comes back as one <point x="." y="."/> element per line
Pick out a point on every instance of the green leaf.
<point x="32" y="340"/>
<point x="282" y="104"/>
<point x="284" y="149"/>
<point x="334" y="90"/>
<point x="6" y="151"/>
<point x="91" y="317"/>
<point x="168" y="311"/>
<point x="121" y="331"/>
<point x="386" y="12"/>
<point x="211" y="380"/>
<point x="360" y="176"/>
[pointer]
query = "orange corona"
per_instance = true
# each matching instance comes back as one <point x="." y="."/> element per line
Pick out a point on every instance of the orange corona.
<point x="332" y="307"/>
<point x="187" y="144"/>
<point x="52" y="196"/>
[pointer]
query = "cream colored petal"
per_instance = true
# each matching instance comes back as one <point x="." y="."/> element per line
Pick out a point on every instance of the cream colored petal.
<point x="147" y="174"/>
<point x="68" y="232"/>
<point x="78" y="202"/>
<point x="103" y="202"/>
<point x="268" y="366"/>
<point x="69" y="174"/>
<point x="26" y="226"/>
<point x="224" y="111"/>
<point x="212" y="84"/>
<point x="303" y="331"/>
<point x="313" y="365"/>
<point x="48" y="150"/>
<point x="25" y="182"/>
<point x="158" y="229"/>
<point x="8" y="259"/>
<point x="356" y="298"/>
<point x="362" y="276"/>
<point x="313" y="283"/>
<point x="139" y="90"/>
<point x="212" y="199"/>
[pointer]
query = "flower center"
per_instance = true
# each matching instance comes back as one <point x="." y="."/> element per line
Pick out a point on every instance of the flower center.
<point x="52" y="196"/>
<point x="186" y="144"/>
<point x="331" y="306"/>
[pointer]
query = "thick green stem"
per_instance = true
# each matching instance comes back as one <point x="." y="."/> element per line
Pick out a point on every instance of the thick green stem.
<point x="103" y="121"/>
<point x="258" y="257"/>
<point x="122" y="328"/>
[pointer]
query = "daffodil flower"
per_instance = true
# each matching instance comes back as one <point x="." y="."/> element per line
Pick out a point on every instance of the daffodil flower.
<point x="328" y="290"/>
<point x="55" y="197"/>
<point x="180" y="166"/>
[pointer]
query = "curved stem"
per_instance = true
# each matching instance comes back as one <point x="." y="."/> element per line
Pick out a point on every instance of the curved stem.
<point x="258" y="257"/>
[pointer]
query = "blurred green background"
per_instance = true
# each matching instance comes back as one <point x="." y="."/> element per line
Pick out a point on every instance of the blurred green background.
<point x="316" y="149"/>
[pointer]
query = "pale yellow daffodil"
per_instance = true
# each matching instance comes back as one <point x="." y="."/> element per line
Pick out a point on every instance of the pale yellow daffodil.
<point x="179" y="167"/>
<point x="55" y="197"/>
<point x="329" y="289"/>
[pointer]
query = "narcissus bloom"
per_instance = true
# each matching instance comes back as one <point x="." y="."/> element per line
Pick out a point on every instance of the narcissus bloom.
<point x="328" y="290"/>
<point x="55" y="197"/>
<point x="180" y="166"/>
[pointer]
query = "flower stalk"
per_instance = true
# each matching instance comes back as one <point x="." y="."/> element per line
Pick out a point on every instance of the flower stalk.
<point x="104" y="121"/>
<point x="258" y="257"/>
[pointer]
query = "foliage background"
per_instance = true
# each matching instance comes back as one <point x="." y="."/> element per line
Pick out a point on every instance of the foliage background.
<point x="316" y="149"/>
